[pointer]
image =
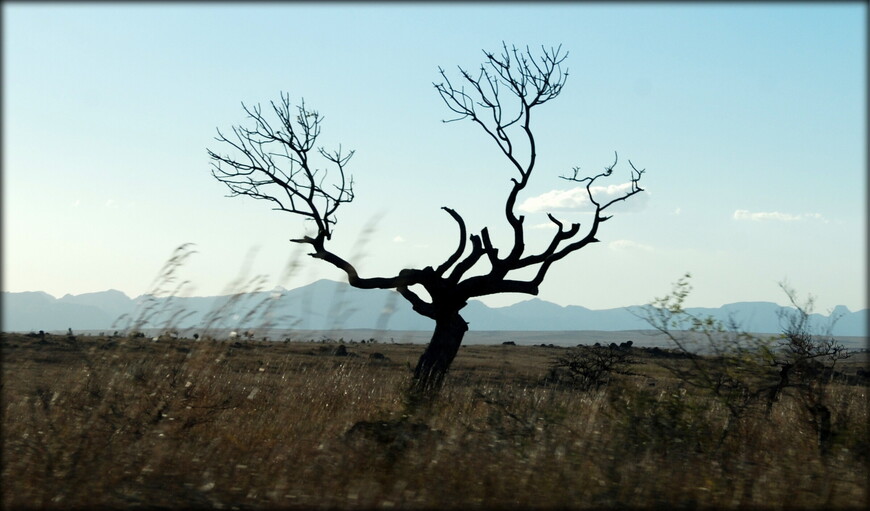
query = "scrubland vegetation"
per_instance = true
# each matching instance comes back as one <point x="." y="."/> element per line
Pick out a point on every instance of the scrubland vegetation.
<point x="115" y="422"/>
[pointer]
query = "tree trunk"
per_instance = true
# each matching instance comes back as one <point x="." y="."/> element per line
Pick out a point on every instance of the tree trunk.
<point x="822" y="421"/>
<point x="435" y="361"/>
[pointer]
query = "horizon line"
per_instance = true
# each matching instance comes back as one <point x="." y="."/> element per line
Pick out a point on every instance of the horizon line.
<point x="532" y="298"/>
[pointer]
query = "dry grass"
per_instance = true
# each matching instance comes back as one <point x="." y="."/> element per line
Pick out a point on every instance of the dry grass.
<point x="125" y="423"/>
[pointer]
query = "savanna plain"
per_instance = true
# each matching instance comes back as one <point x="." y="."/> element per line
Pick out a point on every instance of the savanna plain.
<point x="109" y="422"/>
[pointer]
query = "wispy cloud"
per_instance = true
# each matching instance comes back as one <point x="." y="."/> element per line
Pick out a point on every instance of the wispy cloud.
<point x="576" y="199"/>
<point x="398" y="239"/>
<point x="548" y="226"/>
<point x="742" y="214"/>
<point x="628" y="245"/>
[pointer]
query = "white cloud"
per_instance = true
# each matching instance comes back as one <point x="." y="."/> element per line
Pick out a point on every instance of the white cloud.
<point x="815" y="216"/>
<point x="556" y="200"/>
<point x="548" y="226"/>
<point x="742" y="214"/>
<point x="577" y="199"/>
<point x="398" y="239"/>
<point x="628" y="245"/>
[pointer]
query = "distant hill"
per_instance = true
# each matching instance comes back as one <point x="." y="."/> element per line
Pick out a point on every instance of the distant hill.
<point x="329" y="305"/>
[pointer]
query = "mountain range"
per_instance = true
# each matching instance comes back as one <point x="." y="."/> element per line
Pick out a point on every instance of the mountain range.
<point x="329" y="305"/>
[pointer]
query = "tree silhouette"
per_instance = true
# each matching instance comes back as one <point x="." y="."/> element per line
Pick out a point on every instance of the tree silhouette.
<point x="279" y="164"/>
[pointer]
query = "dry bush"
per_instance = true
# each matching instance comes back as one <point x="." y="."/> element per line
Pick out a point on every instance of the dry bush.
<point x="748" y="374"/>
<point x="591" y="367"/>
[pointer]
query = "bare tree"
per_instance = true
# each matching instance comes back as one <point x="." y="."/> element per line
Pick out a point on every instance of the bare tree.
<point x="280" y="164"/>
<point x="807" y="361"/>
<point x="747" y="373"/>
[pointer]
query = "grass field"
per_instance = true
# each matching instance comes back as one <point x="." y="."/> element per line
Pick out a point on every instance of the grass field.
<point x="100" y="422"/>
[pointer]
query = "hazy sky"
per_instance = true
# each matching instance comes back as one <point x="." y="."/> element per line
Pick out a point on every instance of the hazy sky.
<point x="750" y="121"/>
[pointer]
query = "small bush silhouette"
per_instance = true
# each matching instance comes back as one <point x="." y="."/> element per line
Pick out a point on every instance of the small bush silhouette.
<point x="590" y="367"/>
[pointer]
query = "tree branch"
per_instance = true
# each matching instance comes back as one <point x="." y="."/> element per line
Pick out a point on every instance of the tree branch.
<point x="277" y="161"/>
<point x="460" y="249"/>
<point x="254" y="171"/>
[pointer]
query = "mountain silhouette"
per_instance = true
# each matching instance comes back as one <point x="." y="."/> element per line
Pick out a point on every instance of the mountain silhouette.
<point x="329" y="305"/>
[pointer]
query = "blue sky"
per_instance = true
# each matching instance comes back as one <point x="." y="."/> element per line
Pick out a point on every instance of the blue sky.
<point x="749" y="119"/>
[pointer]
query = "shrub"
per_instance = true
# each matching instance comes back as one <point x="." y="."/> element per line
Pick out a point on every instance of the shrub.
<point x="591" y="367"/>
